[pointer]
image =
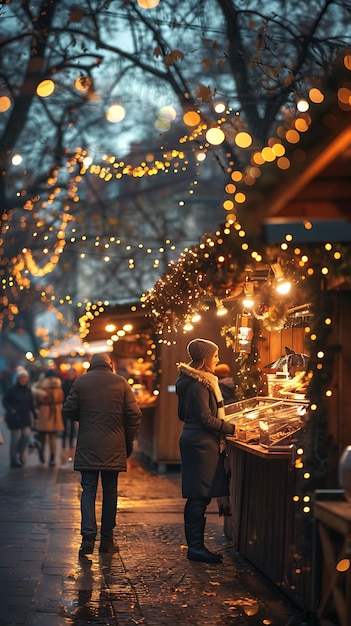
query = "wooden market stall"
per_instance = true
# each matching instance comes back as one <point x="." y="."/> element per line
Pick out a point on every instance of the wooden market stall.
<point x="311" y="203"/>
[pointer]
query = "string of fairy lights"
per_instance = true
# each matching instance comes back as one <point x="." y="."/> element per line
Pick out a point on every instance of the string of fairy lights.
<point x="206" y="137"/>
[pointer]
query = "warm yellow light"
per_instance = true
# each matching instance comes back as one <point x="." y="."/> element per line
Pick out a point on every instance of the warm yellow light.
<point x="268" y="154"/>
<point x="191" y="118"/>
<point x="343" y="565"/>
<point x="283" y="285"/>
<point x="243" y="140"/>
<point x="240" y="197"/>
<point x="303" y="106"/>
<point x="301" y="125"/>
<point x="196" y="318"/>
<point x="167" y="113"/>
<point x="283" y="163"/>
<point x="187" y="327"/>
<point x="83" y="83"/>
<point x="110" y="328"/>
<point x="215" y="136"/>
<point x="201" y="156"/>
<point x="292" y="136"/>
<point x="219" y="107"/>
<point x="278" y="149"/>
<point x="228" y="205"/>
<point x="316" y="95"/>
<point x="16" y="159"/>
<point x="236" y="176"/>
<point x="5" y="104"/>
<point x="45" y="88"/>
<point x="148" y="4"/>
<point x="115" y="113"/>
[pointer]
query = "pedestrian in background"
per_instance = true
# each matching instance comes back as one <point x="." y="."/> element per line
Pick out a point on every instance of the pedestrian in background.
<point x="202" y="443"/>
<point x="69" y="433"/>
<point x="20" y="415"/>
<point x="109" y="418"/>
<point x="48" y="398"/>
<point x="226" y="383"/>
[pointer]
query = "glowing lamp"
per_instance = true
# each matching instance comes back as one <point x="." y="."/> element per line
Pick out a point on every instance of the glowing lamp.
<point x="249" y="291"/>
<point x="283" y="285"/>
<point x="221" y="310"/>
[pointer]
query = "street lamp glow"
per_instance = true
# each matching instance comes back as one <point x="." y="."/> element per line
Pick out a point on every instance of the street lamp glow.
<point x="16" y="159"/>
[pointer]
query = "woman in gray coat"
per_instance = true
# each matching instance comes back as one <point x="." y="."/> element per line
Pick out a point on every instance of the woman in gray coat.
<point x="109" y="418"/>
<point x="202" y="442"/>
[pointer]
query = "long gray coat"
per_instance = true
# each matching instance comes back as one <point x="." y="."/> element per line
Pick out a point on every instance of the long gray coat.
<point x="203" y="474"/>
<point x="108" y="415"/>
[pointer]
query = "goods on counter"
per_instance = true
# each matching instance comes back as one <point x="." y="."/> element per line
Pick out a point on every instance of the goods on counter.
<point x="279" y="387"/>
<point x="267" y="421"/>
<point x="143" y="395"/>
<point x="298" y="384"/>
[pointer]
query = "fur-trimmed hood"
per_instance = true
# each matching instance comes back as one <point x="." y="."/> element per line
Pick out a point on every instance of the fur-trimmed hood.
<point x="188" y="373"/>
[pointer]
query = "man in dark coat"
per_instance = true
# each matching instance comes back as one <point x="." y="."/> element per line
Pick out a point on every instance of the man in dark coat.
<point x="202" y="442"/>
<point x="109" y="418"/>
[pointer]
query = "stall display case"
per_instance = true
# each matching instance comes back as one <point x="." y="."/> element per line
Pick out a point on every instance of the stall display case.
<point x="245" y="415"/>
<point x="270" y="422"/>
<point x="279" y="431"/>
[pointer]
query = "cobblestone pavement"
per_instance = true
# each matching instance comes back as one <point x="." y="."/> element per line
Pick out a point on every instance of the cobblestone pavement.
<point x="149" y="582"/>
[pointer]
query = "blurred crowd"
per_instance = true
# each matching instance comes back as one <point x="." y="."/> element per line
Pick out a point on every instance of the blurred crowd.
<point x="33" y="413"/>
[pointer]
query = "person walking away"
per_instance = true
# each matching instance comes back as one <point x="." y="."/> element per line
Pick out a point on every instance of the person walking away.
<point x="226" y="383"/>
<point x="48" y="398"/>
<point x="69" y="433"/>
<point x="20" y="415"/>
<point x="109" y="418"/>
<point x="202" y="443"/>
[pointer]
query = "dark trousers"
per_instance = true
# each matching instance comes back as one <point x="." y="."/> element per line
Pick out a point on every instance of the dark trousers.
<point x="89" y="482"/>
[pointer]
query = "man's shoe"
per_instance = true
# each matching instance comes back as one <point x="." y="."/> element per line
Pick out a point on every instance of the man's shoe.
<point x="87" y="546"/>
<point x="107" y="546"/>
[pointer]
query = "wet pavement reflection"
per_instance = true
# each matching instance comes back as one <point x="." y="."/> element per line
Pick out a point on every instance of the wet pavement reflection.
<point x="149" y="581"/>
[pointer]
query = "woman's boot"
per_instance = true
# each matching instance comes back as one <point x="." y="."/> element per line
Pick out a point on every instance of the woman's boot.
<point x="197" y="551"/>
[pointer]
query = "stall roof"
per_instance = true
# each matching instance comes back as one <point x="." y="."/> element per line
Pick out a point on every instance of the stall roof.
<point x="317" y="185"/>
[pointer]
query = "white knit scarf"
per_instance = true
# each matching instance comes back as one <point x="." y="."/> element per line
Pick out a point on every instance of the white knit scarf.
<point x="210" y="381"/>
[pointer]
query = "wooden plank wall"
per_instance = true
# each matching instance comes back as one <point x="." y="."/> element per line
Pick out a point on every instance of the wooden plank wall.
<point x="274" y="342"/>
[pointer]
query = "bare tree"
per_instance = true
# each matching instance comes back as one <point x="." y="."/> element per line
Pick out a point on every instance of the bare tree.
<point x="258" y="59"/>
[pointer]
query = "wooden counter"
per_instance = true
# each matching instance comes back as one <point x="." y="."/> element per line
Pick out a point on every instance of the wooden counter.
<point x="259" y="450"/>
<point x="263" y="525"/>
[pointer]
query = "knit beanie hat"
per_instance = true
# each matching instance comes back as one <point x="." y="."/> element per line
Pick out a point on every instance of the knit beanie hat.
<point x="21" y="373"/>
<point x="199" y="349"/>
<point x="50" y="373"/>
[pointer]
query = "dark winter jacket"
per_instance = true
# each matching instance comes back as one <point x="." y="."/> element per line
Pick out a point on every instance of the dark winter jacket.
<point x="202" y="460"/>
<point x="109" y="417"/>
<point x="227" y="388"/>
<point x="19" y="405"/>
